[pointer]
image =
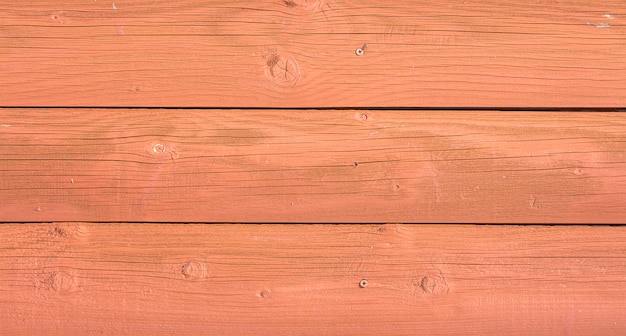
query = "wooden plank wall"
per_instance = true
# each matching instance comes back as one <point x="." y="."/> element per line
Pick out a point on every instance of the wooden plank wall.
<point x="302" y="53"/>
<point x="312" y="167"/>
<point x="147" y="279"/>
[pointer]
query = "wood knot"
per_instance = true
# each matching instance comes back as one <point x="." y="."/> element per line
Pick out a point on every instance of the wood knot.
<point x="361" y="117"/>
<point x="433" y="284"/>
<point x="158" y="149"/>
<point x="304" y="5"/>
<point x="265" y="294"/>
<point x="65" y="231"/>
<point x="61" y="282"/>
<point x="58" y="17"/>
<point x="192" y="270"/>
<point x="282" y="69"/>
<point x="59" y="232"/>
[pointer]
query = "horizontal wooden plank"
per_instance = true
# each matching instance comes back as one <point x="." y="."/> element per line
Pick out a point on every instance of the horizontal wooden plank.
<point x="299" y="53"/>
<point x="145" y="279"/>
<point x="311" y="166"/>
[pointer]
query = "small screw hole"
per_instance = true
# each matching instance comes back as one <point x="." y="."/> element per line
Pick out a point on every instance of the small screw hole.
<point x="363" y="283"/>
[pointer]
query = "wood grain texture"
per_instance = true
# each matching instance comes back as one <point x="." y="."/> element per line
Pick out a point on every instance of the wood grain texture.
<point x="63" y="279"/>
<point x="299" y="53"/>
<point x="311" y="166"/>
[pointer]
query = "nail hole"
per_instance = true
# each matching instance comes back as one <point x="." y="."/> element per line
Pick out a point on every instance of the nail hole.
<point x="359" y="52"/>
<point x="355" y="164"/>
<point x="158" y="149"/>
<point x="363" y="283"/>
<point x="264" y="294"/>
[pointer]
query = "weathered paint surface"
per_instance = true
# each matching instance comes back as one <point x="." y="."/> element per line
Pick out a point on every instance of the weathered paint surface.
<point x="148" y="279"/>
<point x="277" y="53"/>
<point x="312" y="166"/>
<point x="517" y="123"/>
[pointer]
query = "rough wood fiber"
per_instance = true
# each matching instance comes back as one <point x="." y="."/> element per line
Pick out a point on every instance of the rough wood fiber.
<point x="311" y="166"/>
<point x="65" y="279"/>
<point x="298" y="53"/>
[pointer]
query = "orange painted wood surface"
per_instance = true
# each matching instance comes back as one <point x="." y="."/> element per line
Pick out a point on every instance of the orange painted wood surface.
<point x="273" y="140"/>
<point x="145" y="279"/>
<point x="299" y="53"/>
<point x="312" y="166"/>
